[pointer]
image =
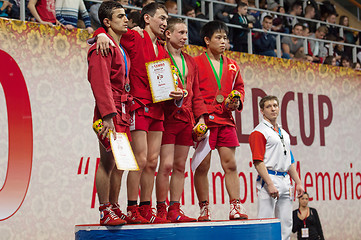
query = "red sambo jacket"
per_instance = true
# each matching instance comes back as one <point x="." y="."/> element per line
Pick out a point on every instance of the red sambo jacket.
<point x="231" y="79"/>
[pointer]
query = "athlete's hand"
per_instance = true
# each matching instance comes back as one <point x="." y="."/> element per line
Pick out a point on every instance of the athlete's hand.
<point x="177" y="94"/>
<point x="103" y="45"/>
<point x="232" y="105"/>
<point x="273" y="191"/>
<point x="139" y="30"/>
<point x="108" y="124"/>
<point x="300" y="190"/>
<point x="196" y="137"/>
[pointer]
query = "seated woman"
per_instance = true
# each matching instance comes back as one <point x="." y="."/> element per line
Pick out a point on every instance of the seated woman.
<point x="306" y="221"/>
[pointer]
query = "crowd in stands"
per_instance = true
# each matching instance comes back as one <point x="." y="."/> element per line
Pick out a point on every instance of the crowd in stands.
<point x="84" y="14"/>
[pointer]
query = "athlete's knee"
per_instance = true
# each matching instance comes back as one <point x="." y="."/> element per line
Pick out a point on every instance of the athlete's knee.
<point x="165" y="169"/>
<point x="141" y="158"/>
<point x="152" y="164"/>
<point x="107" y="167"/>
<point x="179" y="167"/>
<point x="229" y="165"/>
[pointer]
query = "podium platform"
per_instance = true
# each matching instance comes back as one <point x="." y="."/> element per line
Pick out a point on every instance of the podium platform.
<point x="255" y="229"/>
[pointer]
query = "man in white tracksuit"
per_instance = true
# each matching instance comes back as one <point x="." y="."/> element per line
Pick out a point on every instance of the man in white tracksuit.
<point x="274" y="162"/>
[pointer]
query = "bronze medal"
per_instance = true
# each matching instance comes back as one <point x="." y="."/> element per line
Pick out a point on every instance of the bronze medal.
<point x="185" y="93"/>
<point x="127" y="87"/>
<point x="219" y="98"/>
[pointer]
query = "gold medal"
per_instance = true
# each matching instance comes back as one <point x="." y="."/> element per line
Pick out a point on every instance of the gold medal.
<point x="219" y="98"/>
<point x="185" y="93"/>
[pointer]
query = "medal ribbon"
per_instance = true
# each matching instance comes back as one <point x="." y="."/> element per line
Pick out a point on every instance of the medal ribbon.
<point x="181" y="75"/>
<point x="218" y="78"/>
<point x="125" y="60"/>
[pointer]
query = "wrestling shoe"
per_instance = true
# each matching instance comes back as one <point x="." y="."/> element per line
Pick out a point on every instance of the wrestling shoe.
<point x="134" y="217"/>
<point x="108" y="217"/>
<point x="205" y="214"/>
<point x="162" y="210"/>
<point x="237" y="210"/>
<point x="147" y="212"/>
<point x="118" y="212"/>
<point x="175" y="214"/>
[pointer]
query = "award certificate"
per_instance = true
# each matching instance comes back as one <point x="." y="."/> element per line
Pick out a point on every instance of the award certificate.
<point x="161" y="79"/>
<point x="122" y="152"/>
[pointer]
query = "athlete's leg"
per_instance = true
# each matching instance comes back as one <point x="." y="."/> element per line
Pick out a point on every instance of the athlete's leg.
<point x="154" y="140"/>
<point x="115" y="182"/>
<point x="228" y="162"/>
<point x="177" y="178"/>
<point x="140" y="149"/>
<point x="165" y="168"/>
<point x="103" y="174"/>
<point x="201" y="183"/>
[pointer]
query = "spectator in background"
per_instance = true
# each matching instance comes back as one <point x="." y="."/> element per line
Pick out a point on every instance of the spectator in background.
<point x="338" y="50"/>
<point x="306" y="217"/>
<point x="224" y="12"/>
<point x="254" y="16"/>
<point x="194" y="27"/>
<point x="133" y="19"/>
<point x="5" y="7"/>
<point x="43" y="11"/>
<point x="199" y="13"/>
<point x="332" y="30"/>
<point x="345" y="61"/>
<point x="15" y="10"/>
<point x="240" y="35"/>
<point x="326" y="8"/>
<point x="296" y="10"/>
<point x="310" y="13"/>
<point x="171" y="7"/>
<point x="271" y="6"/>
<point x="292" y="45"/>
<point x="265" y="42"/>
<point x="93" y="14"/>
<point x="277" y="23"/>
<point x="317" y="49"/>
<point x="305" y="31"/>
<point x="349" y="35"/>
<point x="67" y="14"/>
<point x="330" y="60"/>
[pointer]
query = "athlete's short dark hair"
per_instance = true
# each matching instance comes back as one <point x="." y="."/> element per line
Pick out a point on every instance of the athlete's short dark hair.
<point x="210" y="28"/>
<point x="150" y="9"/>
<point x="106" y="10"/>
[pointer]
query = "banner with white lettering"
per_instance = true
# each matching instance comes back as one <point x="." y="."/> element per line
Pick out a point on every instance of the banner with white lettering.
<point x="49" y="152"/>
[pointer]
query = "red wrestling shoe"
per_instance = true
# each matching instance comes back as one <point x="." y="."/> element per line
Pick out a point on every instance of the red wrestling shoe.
<point x="205" y="214"/>
<point x="175" y="214"/>
<point x="147" y="212"/>
<point x="237" y="210"/>
<point x="162" y="210"/>
<point x="134" y="217"/>
<point x="108" y="217"/>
